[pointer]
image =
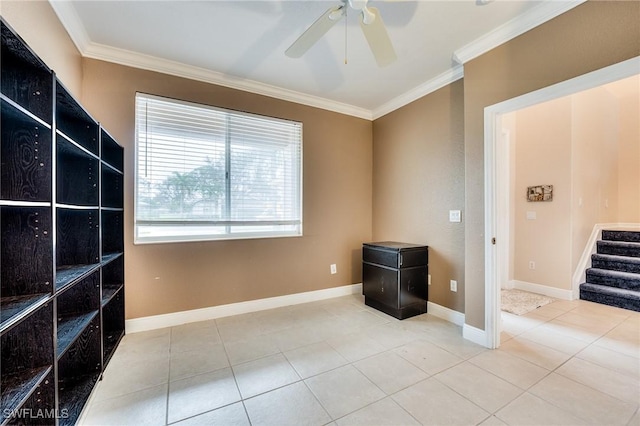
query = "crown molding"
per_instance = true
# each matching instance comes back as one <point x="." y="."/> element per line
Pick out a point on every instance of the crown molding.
<point x="165" y="66"/>
<point x="513" y="28"/>
<point x="70" y="20"/>
<point x="447" y="77"/>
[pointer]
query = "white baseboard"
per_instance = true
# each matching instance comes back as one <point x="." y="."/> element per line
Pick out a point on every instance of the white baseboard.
<point x="445" y="313"/>
<point x="177" y="318"/>
<point x="557" y="293"/>
<point x="475" y="335"/>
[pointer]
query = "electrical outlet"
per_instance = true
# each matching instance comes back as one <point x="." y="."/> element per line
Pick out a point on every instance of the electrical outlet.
<point x="455" y="216"/>
<point x="334" y="269"/>
<point x="429" y="279"/>
<point x="532" y="264"/>
<point x="454" y="285"/>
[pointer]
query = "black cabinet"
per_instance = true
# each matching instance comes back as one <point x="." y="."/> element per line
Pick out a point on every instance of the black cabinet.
<point x="61" y="245"/>
<point x="394" y="277"/>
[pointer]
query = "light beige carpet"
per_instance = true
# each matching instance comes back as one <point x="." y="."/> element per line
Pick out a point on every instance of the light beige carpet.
<point x="521" y="302"/>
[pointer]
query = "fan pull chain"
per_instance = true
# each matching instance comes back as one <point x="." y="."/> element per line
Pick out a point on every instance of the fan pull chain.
<point x="346" y="19"/>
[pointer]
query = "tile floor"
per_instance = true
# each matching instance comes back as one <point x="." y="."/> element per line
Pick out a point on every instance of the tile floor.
<point x="339" y="362"/>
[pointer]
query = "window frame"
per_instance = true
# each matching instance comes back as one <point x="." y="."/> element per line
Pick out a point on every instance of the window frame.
<point x="201" y="237"/>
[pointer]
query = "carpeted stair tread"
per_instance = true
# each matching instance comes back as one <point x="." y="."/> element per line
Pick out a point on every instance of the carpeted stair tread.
<point x="630" y="236"/>
<point x="618" y="248"/>
<point x="613" y="296"/>
<point x="616" y="263"/>
<point x="624" y="280"/>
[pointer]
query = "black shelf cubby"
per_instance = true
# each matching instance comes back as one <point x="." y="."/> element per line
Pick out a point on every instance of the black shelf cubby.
<point x="77" y="243"/>
<point x="40" y="403"/>
<point x="77" y="306"/>
<point x="26" y="235"/>
<point x="25" y="172"/>
<point x="79" y="368"/>
<point x="112" y="232"/>
<point x="27" y="360"/>
<point x="112" y="186"/>
<point x="26" y="80"/>
<point x="112" y="320"/>
<point x="55" y="289"/>
<point x="74" y="121"/>
<point x="112" y="153"/>
<point x="77" y="177"/>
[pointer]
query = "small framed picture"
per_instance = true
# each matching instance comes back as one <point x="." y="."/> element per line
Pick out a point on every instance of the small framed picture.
<point x="540" y="193"/>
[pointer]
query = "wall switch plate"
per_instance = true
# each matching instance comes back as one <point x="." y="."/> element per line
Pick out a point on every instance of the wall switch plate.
<point x="428" y="279"/>
<point x="531" y="215"/>
<point x="455" y="216"/>
<point x="334" y="269"/>
<point x="532" y="264"/>
<point x="454" y="285"/>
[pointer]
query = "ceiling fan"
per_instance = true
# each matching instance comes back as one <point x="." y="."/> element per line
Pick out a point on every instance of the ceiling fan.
<point x="370" y="22"/>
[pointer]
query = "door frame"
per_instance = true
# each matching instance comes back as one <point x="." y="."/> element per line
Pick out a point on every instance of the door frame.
<point x="496" y="176"/>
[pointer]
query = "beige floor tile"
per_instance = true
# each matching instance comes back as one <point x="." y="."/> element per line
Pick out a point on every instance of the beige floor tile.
<point x="598" y="324"/>
<point x="433" y="403"/>
<point x="385" y="412"/>
<point x="232" y="331"/>
<point x="145" y="342"/>
<point x="635" y="420"/>
<point x="199" y="394"/>
<point x="582" y="401"/>
<point x="263" y="375"/>
<point x="250" y="349"/>
<point x="129" y="373"/>
<point x="624" y="338"/>
<point x="546" y="312"/>
<point x="516" y="325"/>
<point x="555" y="340"/>
<point x="427" y="356"/>
<point x="529" y="410"/>
<point x="513" y="369"/>
<point x="479" y="386"/>
<point x="315" y="359"/>
<point x="145" y="407"/>
<point x="343" y="390"/>
<point x="456" y="344"/>
<point x="355" y="346"/>
<point x="192" y="363"/>
<point x="390" y="372"/>
<point x="390" y="335"/>
<point x="575" y="331"/>
<point x="190" y="337"/>
<point x="363" y="319"/>
<point x="295" y="337"/>
<point x="292" y="405"/>
<point x="621" y="386"/>
<point x="231" y="415"/>
<point x="612" y="360"/>
<point x="536" y="353"/>
<point x="493" y="421"/>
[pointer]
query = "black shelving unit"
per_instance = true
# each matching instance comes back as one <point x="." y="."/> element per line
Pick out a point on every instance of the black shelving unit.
<point x="61" y="246"/>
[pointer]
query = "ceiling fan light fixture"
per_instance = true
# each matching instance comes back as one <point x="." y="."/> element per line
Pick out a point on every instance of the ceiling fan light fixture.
<point x="367" y="16"/>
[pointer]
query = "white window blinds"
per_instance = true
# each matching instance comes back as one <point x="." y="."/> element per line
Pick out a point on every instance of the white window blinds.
<point x="206" y="173"/>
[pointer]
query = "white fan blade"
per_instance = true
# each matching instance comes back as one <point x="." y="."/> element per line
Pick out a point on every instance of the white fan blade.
<point x="378" y="39"/>
<point x="315" y="32"/>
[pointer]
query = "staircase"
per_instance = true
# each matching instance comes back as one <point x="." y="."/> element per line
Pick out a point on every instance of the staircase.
<point x="614" y="276"/>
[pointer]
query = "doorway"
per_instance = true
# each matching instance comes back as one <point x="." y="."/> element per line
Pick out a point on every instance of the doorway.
<point x="497" y="175"/>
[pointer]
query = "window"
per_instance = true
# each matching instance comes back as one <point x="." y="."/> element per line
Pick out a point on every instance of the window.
<point x="205" y="173"/>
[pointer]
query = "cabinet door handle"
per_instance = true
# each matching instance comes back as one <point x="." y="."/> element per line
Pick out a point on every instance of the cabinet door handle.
<point x="400" y="259"/>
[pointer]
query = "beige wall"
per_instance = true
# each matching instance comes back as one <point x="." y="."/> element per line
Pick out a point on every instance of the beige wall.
<point x="418" y="176"/>
<point x="629" y="160"/>
<point x="577" y="143"/>
<point x="588" y="37"/>
<point x="543" y="157"/>
<point x="163" y="278"/>
<point x="38" y="25"/>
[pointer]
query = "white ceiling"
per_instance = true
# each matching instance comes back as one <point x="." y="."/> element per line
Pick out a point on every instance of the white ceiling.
<point x="241" y="44"/>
